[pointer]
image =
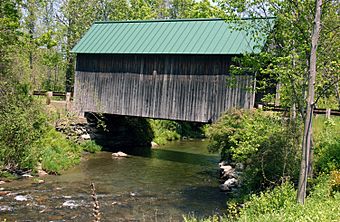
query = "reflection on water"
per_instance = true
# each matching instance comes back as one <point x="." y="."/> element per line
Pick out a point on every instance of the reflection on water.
<point x="152" y="185"/>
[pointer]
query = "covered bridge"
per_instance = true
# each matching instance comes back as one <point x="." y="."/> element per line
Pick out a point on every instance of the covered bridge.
<point x="165" y="69"/>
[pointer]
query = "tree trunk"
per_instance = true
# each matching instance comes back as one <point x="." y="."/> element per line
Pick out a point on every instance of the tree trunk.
<point x="337" y="91"/>
<point x="69" y="59"/>
<point x="306" y="143"/>
<point x="69" y="74"/>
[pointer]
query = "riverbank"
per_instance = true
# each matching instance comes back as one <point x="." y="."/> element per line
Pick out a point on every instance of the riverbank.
<point x="267" y="146"/>
<point x="29" y="141"/>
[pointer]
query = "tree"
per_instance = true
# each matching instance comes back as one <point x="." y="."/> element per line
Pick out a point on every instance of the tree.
<point x="74" y="18"/>
<point x="204" y="9"/>
<point x="9" y="36"/>
<point x="291" y="56"/>
<point x="180" y="8"/>
<point x="307" y="135"/>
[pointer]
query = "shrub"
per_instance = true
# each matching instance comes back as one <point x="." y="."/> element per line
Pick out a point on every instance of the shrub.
<point x="280" y="197"/>
<point x="327" y="145"/>
<point x="165" y="130"/>
<point x="57" y="153"/>
<point x="21" y="127"/>
<point x="91" y="146"/>
<point x="170" y="130"/>
<point x="266" y="143"/>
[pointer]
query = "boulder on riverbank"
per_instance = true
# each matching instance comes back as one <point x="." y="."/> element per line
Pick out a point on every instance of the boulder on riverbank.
<point x="154" y="144"/>
<point x="229" y="174"/>
<point x="229" y="184"/>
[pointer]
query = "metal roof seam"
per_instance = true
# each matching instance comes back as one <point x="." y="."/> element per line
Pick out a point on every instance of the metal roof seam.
<point x="220" y="39"/>
<point x="160" y="40"/>
<point x="117" y="41"/>
<point x="171" y="38"/>
<point x="195" y="29"/>
<point x="81" y="44"/>
<point x="152" y="29"/>
<point x="199" y="38"/>
<point x="122" y="43"/>
<point x="207" y="37"/>
<point x="187" y="39"/>
<point x="139" y="33"/>
<point x="156" y="39"/>
<point x="185" y="29"/>
<point x="95" y="37"/>
<point x="170" y="31"/>
<point x="105" y="36"/>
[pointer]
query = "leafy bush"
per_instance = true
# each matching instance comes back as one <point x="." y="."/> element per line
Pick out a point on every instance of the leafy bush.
<point x="266" y="143"/>
<point x="170" y="130"/>
<point x="57" y="153"/>
<point x="91" y="146"/>
<point x="22" y="125"/>
<point x="280" y="197"/>
<point x="335" y="180"/>
<point x="164" y="130"/>
<point x="26" y="137"/>
<point x="327" y="145"/>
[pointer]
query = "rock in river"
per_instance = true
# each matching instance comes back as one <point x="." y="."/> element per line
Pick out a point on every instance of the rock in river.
<point x="70" y="203"/>
<point x="229" y="184"/>
<point x="119" y="154"/>
<point x="154" y="144"/>
<point x="22" y="197"/>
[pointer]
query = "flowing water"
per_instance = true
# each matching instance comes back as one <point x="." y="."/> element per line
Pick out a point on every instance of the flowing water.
<point x="151" y="185"/>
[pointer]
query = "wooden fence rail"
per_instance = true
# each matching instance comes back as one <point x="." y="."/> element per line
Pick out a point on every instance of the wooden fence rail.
<point x="43" y="93"/>
<point x="327" y="112"/>
<point x="50" y="94"/>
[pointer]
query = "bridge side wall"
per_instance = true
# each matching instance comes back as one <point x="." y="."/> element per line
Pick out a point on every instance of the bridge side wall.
<point x="197" y="97"/>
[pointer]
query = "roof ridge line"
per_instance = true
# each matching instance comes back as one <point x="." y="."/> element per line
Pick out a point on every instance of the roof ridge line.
<point x="179" y="20"/>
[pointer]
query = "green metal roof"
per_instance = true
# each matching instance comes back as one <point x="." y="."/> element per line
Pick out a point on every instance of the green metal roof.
<point x="181" y="36"/>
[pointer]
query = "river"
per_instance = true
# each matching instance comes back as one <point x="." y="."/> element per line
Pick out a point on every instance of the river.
<point x="160" y="184"/>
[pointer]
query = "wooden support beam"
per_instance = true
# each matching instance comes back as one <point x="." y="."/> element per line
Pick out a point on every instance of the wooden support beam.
<point x="49" y="95"/>
<point x="68" y="101"/>
<point x="328" y="113"/>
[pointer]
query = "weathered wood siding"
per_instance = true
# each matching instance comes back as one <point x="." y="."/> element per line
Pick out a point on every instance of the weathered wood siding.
<point x="198" y="95"/>
<point x="147" y="64"/>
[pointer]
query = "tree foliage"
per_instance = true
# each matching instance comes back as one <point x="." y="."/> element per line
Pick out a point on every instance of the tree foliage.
<point x="266" y="144"/>
<point x="22" y="126"/>
<point x="37" y="35"/>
